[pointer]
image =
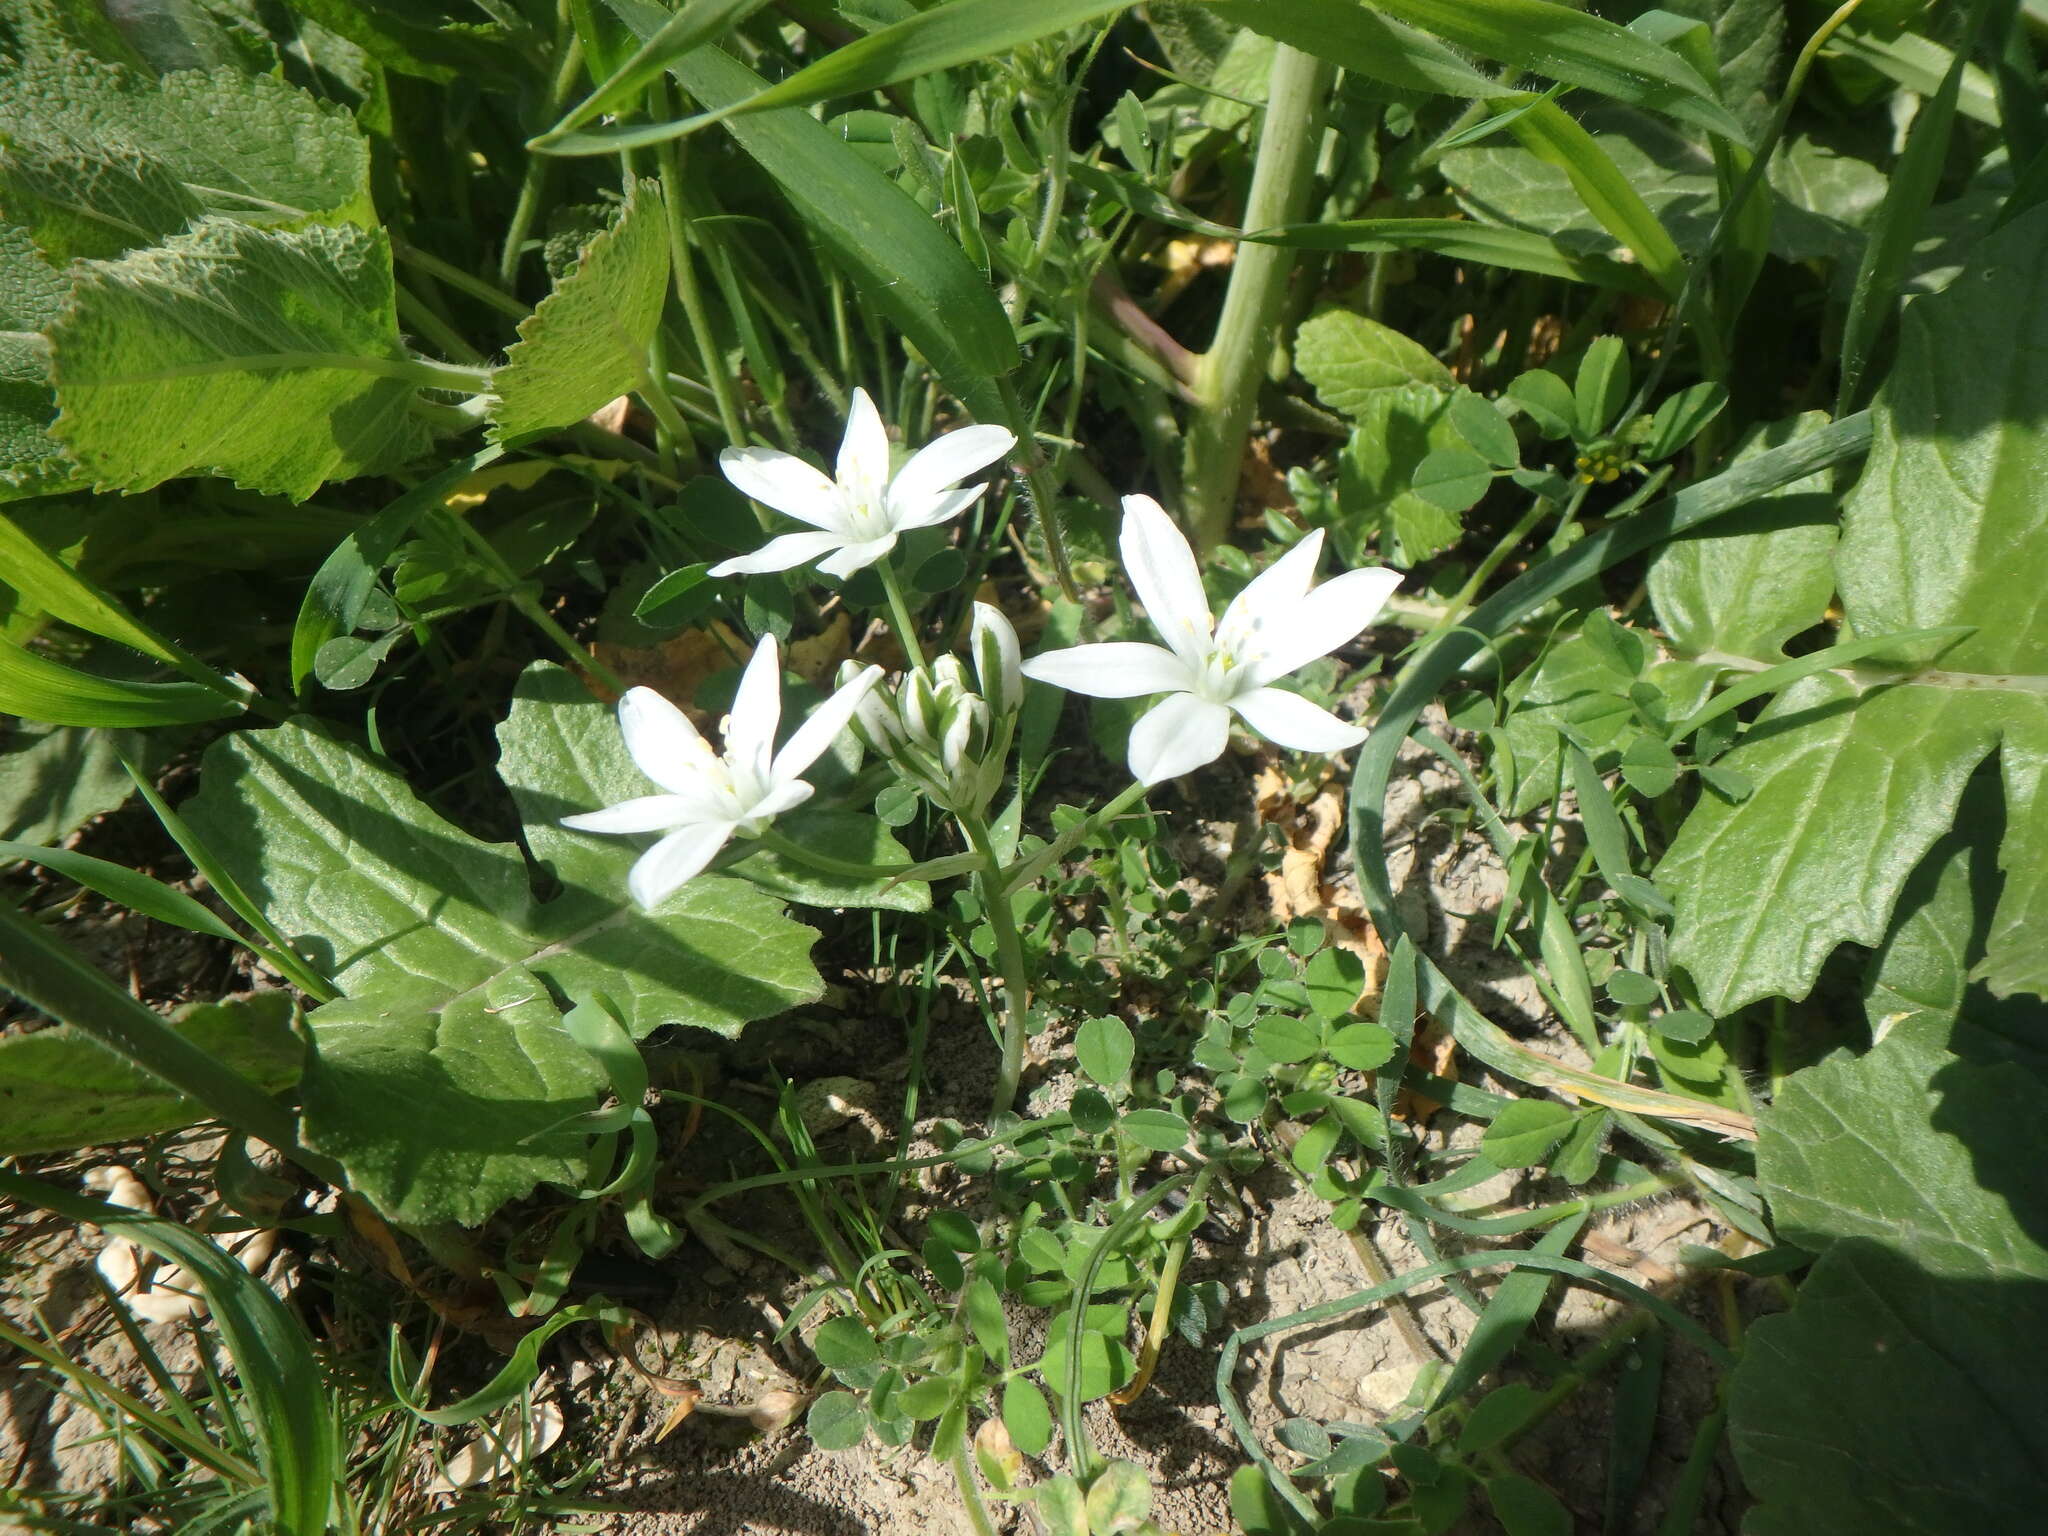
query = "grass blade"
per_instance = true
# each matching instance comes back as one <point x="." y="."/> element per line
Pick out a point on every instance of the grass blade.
<point x="900" y="259"/>
<point x="1553" y="135"/>
<point x="1361" y="41"/>
<point x="130" y="887"/>
<point x="963" y="32"/>
<point x="1491" y="245"/>
<point x="37" y="688"/>
<point x="697" y="23"/>
<point x="40" y="968"/>
<point x="1563" y="44"/>
<point x="297" y="1438"/>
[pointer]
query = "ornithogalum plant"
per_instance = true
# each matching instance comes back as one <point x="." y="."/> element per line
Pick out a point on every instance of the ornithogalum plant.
<point x="945" y="730"/>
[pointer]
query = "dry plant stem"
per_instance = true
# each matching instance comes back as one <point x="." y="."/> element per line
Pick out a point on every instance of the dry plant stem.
<point x="1231" y="371"/>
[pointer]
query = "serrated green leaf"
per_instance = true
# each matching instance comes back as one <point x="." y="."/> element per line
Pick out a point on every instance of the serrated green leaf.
<point x="31" y="297"/>
<point x="441" y="1078"/>
<point x="1944" y="528"/>
<point x="1892" y="1399"/>
<point x="586" y="343"/>
<point x="268" y="356"/>
<point x="1348" y="356"/>
<point x="1754" y="579"/>
<point x="101" y="159"/>
<point x="1915" y="1147"/>
<point x="61" y="1089"/>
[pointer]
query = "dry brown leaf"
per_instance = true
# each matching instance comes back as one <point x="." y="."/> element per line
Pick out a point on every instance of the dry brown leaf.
<point x="1298" y="888"/>
<point x="1187" y="259"/>
<point x="816" y="658"/>
<point x="677" y="667"/>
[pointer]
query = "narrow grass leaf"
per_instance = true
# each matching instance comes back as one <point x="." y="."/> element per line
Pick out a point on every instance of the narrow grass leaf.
<point x="1563" y="44"/>
<point x="1491" y="245"/>
<point x="37" y="688"/>
<point x="298" y="1440"/>
<point x="697" y="23"/>
<point x="130" y="887"/>
<point x="964" y="32"/>
<point x="1510" y="1311"/>
<point x="1361" y="41"/>
<point x="1553" y="135"/>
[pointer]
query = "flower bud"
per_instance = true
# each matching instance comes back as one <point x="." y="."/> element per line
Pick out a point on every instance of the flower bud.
<point x="966" y="736"/>
<point x="949" y="680"/>
<point x="922" y="711"/>
<point x="997" y="659"/>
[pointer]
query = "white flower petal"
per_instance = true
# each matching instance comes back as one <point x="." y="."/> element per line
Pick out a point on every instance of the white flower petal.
<point x="822" y="729"/>
<point x="1176" y="736"/>
<point x="785" y="482"/>
<point x="675" y="861"/>
<point x="662" y="742"/>
<point x="1116" y="669"/>
<point x="1162" y="569"/>
<point x="946" y="462"/>
<point x="756" y="712"/>
<point x="792" y="549"/>
<point x="1269" y="600"/>
<point x="863" y="467"/>
<point x="1324" y="620"/>
<point x="649" y="813"/>
<point x="786" y="796"/>
<point x="934" y="510"/>
<point x="1292" y="721"/>
<point x="854" y="557"/>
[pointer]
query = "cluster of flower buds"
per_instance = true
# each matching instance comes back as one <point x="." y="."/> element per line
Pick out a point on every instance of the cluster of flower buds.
<point x="948" y="738"/>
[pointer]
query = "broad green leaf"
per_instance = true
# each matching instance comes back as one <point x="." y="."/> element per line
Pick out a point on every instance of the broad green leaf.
<point x="1347" y="356"/>
<point x="1747" y="36"/>
<point x="837" y="1422"/>
<point x="1105" y="1050"/>
<point x="37" y="688"/>
<point x="1575" y="48"/>
<point x="1377" y="47"/>
<point x="31" y="296"/>
<point x="903" y="263"/>
<point x="854" y="837"/>
<point x="1748" y="583"/>
<point x="1890" y="1399"/>
<point x="1822" y="197"/>
<point x="1119" y="1499"/>
<point x="55" y="778"/>
<point x="101" y="159"/>
<point x="1932" y="1155"/>
<point x="586" y="343"/>
<point x="1900" y="1389"/>
<point x="1470" y="240"/>
<point x="1944" y="528"/>
<point x="439" y="1077"/>
<point x="61" y="1089"/>
<point x="268" y="356"/>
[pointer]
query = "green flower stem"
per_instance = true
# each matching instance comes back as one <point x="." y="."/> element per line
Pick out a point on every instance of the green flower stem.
<point x="446" y="272"/>
<point x="899" y="613"/>
<point x="1228" y="378"/>
<point x="683" y="264"/>
<point x="569" y="50"/>
<point x="993" y="891"/>
<point x="824" y="863"/>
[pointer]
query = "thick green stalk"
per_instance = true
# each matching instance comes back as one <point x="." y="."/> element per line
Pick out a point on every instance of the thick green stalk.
<point x="1228" y="378"/>
<point x="1001" y="912"/>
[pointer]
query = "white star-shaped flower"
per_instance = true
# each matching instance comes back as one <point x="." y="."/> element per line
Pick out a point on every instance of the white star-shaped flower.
<point x="1211" y="670"/>
<point x="857" y="515"/>
<point x="711" y="798"/>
